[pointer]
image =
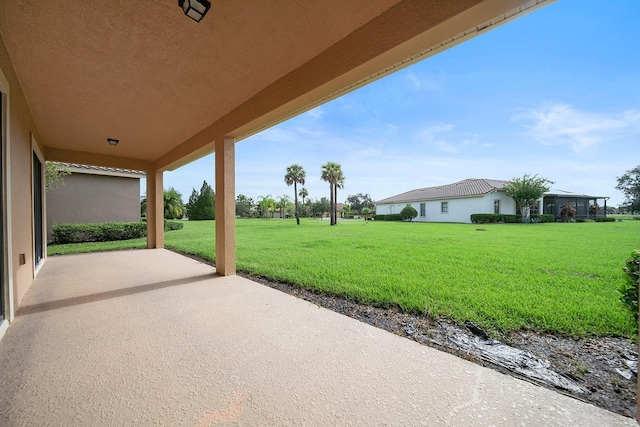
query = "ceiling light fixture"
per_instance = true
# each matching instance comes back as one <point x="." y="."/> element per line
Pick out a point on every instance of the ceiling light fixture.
<point x="195" y="9"/>
<point x="112" y="141"/>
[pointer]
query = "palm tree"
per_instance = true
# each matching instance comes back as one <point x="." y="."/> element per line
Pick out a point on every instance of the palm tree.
<point x="282" y="204"/>
<point x="296" y="175"/>
<point x="173" y="205"/>
<point x="338" y="184"/>
<point x="304" y="193"/>
<point x="327" y="174"/>
<point x="332" y="173"/>
<point x="266" y="203"/>
<point x="143" y="207"/>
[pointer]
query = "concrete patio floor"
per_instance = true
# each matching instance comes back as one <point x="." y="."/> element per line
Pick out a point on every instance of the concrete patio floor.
<point x="150" y="337"/>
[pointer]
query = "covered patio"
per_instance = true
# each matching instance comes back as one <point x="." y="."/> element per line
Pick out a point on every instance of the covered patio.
<point x="150" y="337"/>
<point x="162" y="340"/>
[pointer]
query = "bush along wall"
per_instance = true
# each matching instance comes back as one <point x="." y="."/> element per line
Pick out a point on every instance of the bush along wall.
<point x="104" y="232"/>
<point x="507" y="219"/>
<point x="605" y="219"/>
<point x="389" y="217"/>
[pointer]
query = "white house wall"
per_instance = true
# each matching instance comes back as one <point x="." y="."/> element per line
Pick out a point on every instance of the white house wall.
<point x="459" y="210"/>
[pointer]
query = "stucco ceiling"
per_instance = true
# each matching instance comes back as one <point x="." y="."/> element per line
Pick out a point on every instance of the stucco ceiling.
<point x="166" y="86"/>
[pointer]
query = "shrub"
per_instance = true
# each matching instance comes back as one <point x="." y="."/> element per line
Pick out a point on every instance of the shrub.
<point x="637" y="218"/>
<point x="389" y="217"/>
<point x="508" y="219"/>
<point x="544" y="217"/>
<point x="487" y="218"/>
<point x="480" y="218"/>
<point x="103" y="232"/>
<point x="607" y="219"/>
<point x="172" y="225"/>
<point x="567" y="212"/>
<point x="408" y="213"/>
<point x="629" y="289"/>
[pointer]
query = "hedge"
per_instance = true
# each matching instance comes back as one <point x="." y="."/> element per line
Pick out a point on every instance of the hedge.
<point x="104" y="232"/>
<point x="389" y="217"/>
<point x="605" y="219"/>
<point x="173" y="225"/>
<point x="508" y="219"/>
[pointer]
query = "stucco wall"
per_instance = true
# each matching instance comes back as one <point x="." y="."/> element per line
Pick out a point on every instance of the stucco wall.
<point x="459" y="210"/>
<point x="21" y="127"/>
<point x="88" y="198"/>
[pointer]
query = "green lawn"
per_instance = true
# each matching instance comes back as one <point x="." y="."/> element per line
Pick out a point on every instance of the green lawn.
<point x="560" y="278"/>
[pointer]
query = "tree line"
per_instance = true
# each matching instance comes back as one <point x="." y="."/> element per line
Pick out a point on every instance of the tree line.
<point x="284" y="207"/>
<point x="332" y="173"/>
<point x="201" y="205"/>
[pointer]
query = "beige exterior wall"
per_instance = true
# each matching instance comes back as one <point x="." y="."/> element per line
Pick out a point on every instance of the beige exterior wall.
<point x="19" y="165"/>
<point x="90" y="198"/>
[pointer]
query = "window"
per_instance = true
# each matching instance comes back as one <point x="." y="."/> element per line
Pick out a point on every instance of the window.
<point x="444" y="207"/>
<point x="423" y="209"/>
<point x="496" y="206"/>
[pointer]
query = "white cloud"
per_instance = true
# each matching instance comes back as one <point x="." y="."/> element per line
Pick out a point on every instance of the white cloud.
<point x="560" y="124"/>
<point x="445" y="138"/>
<point x="316" y="113"/>
<point x="446" y="147"/>
<point x="424" y="80"/>
<point x="391" y="129"/>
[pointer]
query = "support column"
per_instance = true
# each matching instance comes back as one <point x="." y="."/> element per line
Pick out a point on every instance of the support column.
<point x="225" y="206"/>
<point x="155" y="210"/>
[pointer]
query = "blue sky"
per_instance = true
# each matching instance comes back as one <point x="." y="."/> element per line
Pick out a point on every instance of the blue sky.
<point x="556" y="92"/>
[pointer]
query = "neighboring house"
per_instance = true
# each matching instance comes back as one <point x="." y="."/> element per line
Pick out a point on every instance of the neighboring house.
<point x="94" y="194"/>
<point x="458" y="201"/>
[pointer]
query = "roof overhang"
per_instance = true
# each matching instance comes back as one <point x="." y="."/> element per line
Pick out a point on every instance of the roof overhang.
<point x="575" y="195"/>
<point x="168" y="87"/>
<point x="433" y="199"/>
<point x="105" y="171"/>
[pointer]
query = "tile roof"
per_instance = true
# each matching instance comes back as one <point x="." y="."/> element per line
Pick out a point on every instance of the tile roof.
<point x="104" y="169"/>
<point x="465" y="188"/>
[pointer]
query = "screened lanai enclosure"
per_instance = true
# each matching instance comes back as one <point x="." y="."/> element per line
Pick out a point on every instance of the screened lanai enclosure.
<point x="587" y="207"/>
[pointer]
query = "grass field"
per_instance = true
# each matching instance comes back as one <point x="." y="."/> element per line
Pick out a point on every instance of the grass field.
<point x="558" y="278"/>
